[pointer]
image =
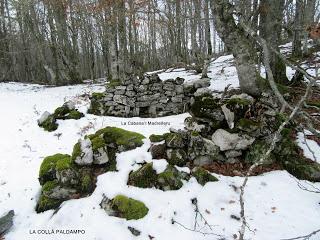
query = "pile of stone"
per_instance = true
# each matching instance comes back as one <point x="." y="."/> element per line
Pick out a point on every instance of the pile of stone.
<point x="147" y="97"/>
<point x="234" y="130"/>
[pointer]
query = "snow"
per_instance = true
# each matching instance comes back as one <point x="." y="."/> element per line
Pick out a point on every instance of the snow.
<point x="311" y="149"/>
<point x="275" y="205"/>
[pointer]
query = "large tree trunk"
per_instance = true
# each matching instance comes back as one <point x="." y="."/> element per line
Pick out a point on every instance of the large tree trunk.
<point x="237" y="41"/>
<point x="271" y="26"/>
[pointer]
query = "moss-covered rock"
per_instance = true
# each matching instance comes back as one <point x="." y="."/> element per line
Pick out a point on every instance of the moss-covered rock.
<point x="123" y="139"/>
<point x="74" y="114"/>
<point x="207" y="107"/>
<point x="129" y="208"/>
<point x="156" y="138"/>
<point x="66" y="111"/>
<point x="48" y="167"/>
<point x="144" y="177"/>
<point x="46" y="203"/>
<point x="50" y="124"/>
<point x="171" y="179"/>
<point x="174" y="140"/>
<point x="177" y="157"/>
<point x="203" y="176"/>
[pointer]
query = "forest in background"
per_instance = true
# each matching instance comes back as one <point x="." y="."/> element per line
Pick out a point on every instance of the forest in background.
<point x="63" y="42"/>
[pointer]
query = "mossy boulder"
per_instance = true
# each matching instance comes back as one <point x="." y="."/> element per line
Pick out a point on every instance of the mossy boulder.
<point x="156" y="138"/>
<point x="46" y="203"/>
<point x="144" y="177"/>
<point x="52" y="195"/>
<point x="67" y="111"/>
<point x="171" y="179"/>
<point x="128" y="208"/>
<point x="177" y="157"/>
<point x="203" y="176"/>
<point x="50" y="124"/>
<point x="49" y="166"/>
<point x="123" y="139"/>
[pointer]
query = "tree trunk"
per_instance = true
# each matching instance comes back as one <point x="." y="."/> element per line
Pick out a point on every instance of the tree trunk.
<point x="242" y="48"/>
<point x="271" y="25"/>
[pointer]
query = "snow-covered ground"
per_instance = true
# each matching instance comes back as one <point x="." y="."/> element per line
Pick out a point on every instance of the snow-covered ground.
<point x="276" y="207"/>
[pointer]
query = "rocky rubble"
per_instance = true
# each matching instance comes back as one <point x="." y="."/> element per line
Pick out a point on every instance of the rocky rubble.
<point x="234" y="130"/>
<point x="146" y="97"/>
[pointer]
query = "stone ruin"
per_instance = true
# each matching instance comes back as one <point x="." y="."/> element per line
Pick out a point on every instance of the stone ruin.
<point x="146" y="97"/>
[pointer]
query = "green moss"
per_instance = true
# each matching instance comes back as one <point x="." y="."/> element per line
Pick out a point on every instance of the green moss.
<point x="86" y="183"/>
<point x="129" y="208"/>
<point x="241" y="102"/>
<point x="247" y="125"/>
<point x="170" y="179"/>
<point x="97" y="96"/>
<point x="75" y="114"/>
<point x="156" y="138"/>
<point x="144" y="177"/>
<point x="48" y="167"/>
<point x="64" y="163"/>
<point x="127" y="139"/>
<point x="60" y="112"/>
<point x="48" y="186"/>
<point x="203" y="176"/>
<point x="49" y="124"/>
<point x="76" y="151"/>
<point x="46" y="203"/>
<point x="113" y="83"/>
<point x="97" y="142"/>
<point x="195" y="134"/>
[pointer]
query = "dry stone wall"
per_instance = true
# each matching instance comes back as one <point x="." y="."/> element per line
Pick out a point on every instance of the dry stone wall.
<point x="147" y="97"/>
